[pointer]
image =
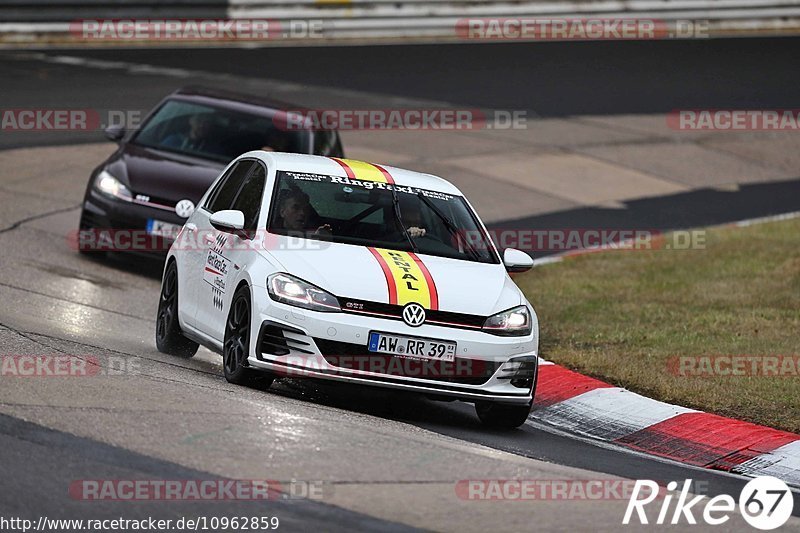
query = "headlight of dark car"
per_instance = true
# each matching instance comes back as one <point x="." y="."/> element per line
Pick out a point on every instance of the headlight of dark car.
<point x="112" y="187"/>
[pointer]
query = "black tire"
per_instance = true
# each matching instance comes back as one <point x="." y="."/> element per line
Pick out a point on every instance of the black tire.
<point x="502" y="416"/>
<point x="236" y="347"/>
<point x="169" y="338"/>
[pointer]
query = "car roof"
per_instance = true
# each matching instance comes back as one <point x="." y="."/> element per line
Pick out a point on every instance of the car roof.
<point x="231" y="99"/>
<point x="331" y="166"/>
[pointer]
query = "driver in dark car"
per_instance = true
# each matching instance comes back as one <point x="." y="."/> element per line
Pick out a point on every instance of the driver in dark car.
<point x="294" y="210"/>
<point x="276" y="142"/>
<point x="197" y="139"/>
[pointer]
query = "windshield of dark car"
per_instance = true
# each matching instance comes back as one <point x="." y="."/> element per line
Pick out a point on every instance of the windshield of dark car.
<point x="349" y="211"/>
<point x="213" y="133"/>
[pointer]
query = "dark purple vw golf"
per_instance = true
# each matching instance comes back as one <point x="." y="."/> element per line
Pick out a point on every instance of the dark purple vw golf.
<point x="139" y="198"/>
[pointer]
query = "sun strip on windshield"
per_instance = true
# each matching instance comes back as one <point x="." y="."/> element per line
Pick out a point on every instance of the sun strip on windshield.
<point x="407" y="278"/>
<point x="359" y="170"/>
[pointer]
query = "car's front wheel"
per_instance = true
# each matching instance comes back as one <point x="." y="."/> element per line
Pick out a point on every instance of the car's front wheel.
<point x="503" y="416"/>
<point x="169" y="338"/>
<point x="236" y="346"/>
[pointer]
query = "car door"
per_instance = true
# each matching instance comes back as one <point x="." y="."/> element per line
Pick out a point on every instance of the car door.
<point x="200" y="235"/>
<point x="227" y="253"/>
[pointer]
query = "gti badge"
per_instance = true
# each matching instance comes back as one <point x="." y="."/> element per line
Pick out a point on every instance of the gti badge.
<point x="184" y="208"/>
<point x="414" y="315"/>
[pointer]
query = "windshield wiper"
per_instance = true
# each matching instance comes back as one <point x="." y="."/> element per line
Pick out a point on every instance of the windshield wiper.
<point x="473" y="253"/>
<point x="399" y="218"/>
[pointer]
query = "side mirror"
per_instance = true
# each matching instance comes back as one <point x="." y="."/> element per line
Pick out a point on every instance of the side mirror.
<point x="516" y="260"/>
<point x="229" y="220"/>
<point x="115" y="133"/>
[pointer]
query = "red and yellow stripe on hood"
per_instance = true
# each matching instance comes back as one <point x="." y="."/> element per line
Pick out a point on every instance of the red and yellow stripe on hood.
<point x="359" y="170"/>
<point x="407" y="278"/>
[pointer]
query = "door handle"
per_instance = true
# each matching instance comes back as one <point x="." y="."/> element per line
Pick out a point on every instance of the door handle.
<point x="190" y="227"/>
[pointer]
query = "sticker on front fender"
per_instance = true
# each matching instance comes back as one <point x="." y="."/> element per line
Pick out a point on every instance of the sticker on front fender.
<point x="216" y="273"/>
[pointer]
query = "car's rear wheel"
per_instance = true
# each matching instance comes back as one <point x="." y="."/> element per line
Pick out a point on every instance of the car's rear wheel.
<point x="169" y="338"/>
<point x="236" y="347"/>
<point x="502" y="416"/>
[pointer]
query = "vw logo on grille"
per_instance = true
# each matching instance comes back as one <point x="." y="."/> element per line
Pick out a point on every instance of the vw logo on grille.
<point x="414" y="315"/>
<point x="184" y="208"/>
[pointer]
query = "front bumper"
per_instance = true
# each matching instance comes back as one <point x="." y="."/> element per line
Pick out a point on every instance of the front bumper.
<point x="294" y="342"/>
<point x="118" y="226"/>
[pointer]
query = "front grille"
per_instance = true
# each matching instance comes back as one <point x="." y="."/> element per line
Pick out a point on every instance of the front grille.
<point x="395" y="312"/>
<point x="154" y="201"/>
<point x="351" y="356"/>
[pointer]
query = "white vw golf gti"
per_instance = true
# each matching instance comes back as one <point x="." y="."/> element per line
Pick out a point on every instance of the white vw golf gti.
<point x="308" y="266"/>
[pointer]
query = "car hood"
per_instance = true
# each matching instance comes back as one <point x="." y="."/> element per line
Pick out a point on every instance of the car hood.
<point x="163" y="175"/>
<point x="357" y="272"/>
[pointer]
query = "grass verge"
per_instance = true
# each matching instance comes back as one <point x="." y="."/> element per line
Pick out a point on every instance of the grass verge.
<point x="632" y="318"/>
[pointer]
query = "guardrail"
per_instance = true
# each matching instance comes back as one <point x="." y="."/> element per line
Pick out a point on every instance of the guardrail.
<point x="397" y="19"/>
<point x="64" y="11"/>
<point x="438" y="18"/>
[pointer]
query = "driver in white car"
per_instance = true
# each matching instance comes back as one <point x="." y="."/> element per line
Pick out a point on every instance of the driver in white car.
<point x="412" y="219"/>
<point x="295" y="213"/>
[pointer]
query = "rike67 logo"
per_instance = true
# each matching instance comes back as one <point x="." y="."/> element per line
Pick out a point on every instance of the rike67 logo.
<point x="765" y="503"/>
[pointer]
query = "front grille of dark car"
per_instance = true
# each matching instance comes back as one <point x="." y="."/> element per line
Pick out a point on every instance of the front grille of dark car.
<point x="154" y="201"/>
<point x="352" y="356"/>
<point x="395" y="312"/>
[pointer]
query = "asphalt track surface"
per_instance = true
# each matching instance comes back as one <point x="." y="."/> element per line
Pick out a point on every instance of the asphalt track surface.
<point x="56" y="301"/>
<point x="550" y="79"/>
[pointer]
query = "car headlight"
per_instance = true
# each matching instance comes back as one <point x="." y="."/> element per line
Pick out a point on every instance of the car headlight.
<point x="294" y="291"/>
<point x="514" y="322"/>
<point x="111" y="186"/>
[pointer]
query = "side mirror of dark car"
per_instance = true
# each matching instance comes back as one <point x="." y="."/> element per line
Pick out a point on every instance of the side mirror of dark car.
<point x="115" y="133"/>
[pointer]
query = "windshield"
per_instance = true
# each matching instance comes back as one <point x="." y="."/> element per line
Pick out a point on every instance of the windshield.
<point x="213" y="133"/>
<point x="321" y="207"/>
